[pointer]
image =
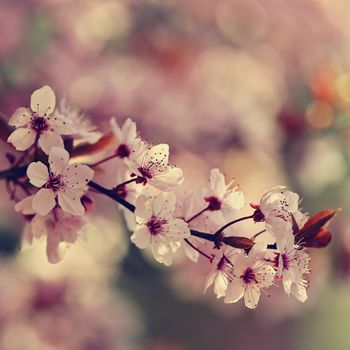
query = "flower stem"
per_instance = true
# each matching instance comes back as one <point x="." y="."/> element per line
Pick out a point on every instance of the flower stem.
<point x="116" y="188"/>
<point x="111" y="194"/>
<point x="198" y="250"/>
<point x="198" y="214"/>
<point x="233" y="222"/>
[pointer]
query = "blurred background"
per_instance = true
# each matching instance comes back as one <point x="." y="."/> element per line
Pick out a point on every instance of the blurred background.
<point x="258" y="88"/>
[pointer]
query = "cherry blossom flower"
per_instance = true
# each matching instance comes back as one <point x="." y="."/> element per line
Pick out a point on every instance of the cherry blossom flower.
<point x="126" y="137"/>
<point x="251" y="273"/>
<point x="223" y="198"/>
<point x="188" y="204"/>
<point x="62" y="183"/>
<point x="151" y="164"/>
<point x="157" y="228"/>
<point x="292" y="263"/>
<point x="221" y="273"/>
<point x="83" y="130"/>
<point x="276" y="208"/>
<point x="38" y="124"/>
<point x="57" y="226"/>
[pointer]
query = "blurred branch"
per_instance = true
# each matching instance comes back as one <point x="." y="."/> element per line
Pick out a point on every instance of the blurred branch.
<point x="5" y="130"/>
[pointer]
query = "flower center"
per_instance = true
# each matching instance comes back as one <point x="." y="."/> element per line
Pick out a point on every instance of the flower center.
<point x="39" y="124"/>
<point x="155" y="225"/>
<point x="248" y="276"/>
<point x="54" y="183"/>
<point x="123" y="151"/>
<point x="214" y="203"/>
<point x="258" y="215"/>
<point x="146" y="173"/>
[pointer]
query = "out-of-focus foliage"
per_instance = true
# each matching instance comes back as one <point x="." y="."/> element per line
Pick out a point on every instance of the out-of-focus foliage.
<point x="259" y="88"/>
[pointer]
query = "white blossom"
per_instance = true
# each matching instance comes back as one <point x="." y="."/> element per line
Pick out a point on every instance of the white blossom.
<point x="126" y="137"/>
<point x="292" y="263"/>
<point x="157" y="227"/>
<point x="223" y="199"/>
<point x="59" y="228"/>
<point x="83" y="130"/>
<point x="276" y="208"/>
<point x="251" y="273"/>
<point x="187" y="205"/>
<point x="37" y="123"/>
<point x="61" y="183"/>
<point x="222" y="270"/>
<point x="152" y="165"/>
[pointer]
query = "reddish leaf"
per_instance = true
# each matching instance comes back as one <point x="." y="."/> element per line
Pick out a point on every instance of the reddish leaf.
<point x="88" y="149"/>
<point x="238" y="242"/>
<point x="314" y="233"/>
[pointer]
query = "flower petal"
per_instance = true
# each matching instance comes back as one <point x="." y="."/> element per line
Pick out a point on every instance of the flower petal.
<point x="234" y="292"/>
<point x="22" y="138"/>
<point x="143" y="211"/>
<point x="44" y="201"/>
<point x="176" y="230"/>
<point x="166" y="181"/>
<point x="60" y="124"/>
<point x="49" y="139"/>
<point x="69" y="201"/>
<point x="141" y="237"/>
<point x="252" y="296"/>
<point x="37" y="173"/>
<point x="77" y="175"/>
<point x="217" y="182"/>
<point x="25" y="206"/>
<point x="58" y="160"/>
<point x="53" y="251"/>
<point x="129" y="131"/>
<point x="20" y="118"/>
<point x="43" y="101"/>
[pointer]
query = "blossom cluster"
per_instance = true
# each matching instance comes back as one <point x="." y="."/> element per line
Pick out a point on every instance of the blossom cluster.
<point x="57" y="196"/>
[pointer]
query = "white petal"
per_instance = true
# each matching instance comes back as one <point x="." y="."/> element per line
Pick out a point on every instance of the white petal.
<point x="168" y="180"/>
<point x="49" y="139"/>
<point x="299" y="292"/>
<point x="235" y="200"/>
<point x="53" y="251"/>
<point x="162" y="252"/>
<point x="39" y="226"/>
<point x="190" y="252"/>
<point x="234" y="292"/>
<point x="37" y="173"/>
<point x="217" y="182"/>
<point x="176" y="230"/>
<point x="60" y="124"/>
<point x="164" y="204"/>
<point x="287" y="281"/>
<point x="210" y="278"/>
<point x="25" y="206"/>
<point x="58" y="160"/>
<point x="20" y="118"/>
<point x="158" y="154"/>
<point x="265" y="275"/>
<point x="69" y="201"/>
<point x="143" y="211"/>
<point x="44" y="201"/>
<point x="252" y="296"/>
<point x="220" y="285"/>
<point x="43" y="101"/>
<point x="22" y="138"/>
<point x="116" y="130"/>
<point x="141" y="237"/>
<point x="77" y="175"/>
<point x="129" y="131"/>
